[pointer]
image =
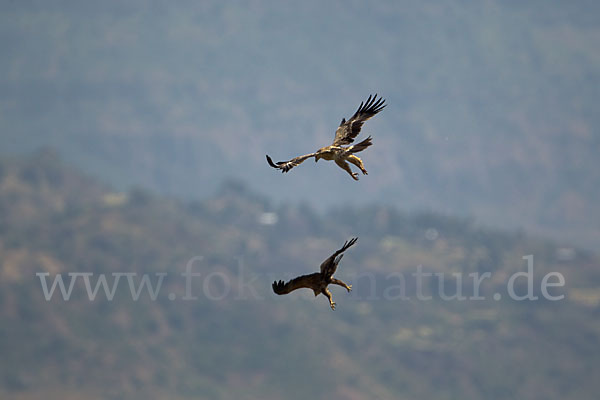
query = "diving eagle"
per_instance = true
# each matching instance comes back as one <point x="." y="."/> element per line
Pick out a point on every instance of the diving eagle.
<point x="344" y="135"/>
<point x="318" y="281"/>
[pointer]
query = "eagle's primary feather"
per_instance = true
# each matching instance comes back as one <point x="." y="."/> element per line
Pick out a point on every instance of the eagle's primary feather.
<point x="285" y="166"/>
<point x="344" y="135"/>
<point x="350" y="129"/>
<point x="318" y="281"/>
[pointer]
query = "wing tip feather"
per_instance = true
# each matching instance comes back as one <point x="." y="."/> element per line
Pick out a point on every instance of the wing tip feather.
<point x="278" y="287"/>
<point x="270" y="161"/>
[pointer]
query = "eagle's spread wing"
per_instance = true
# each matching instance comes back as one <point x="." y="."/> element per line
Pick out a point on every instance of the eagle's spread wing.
<point x="348" y="130"/>
<point x="304" y="281"/>
<point x="285" y="166"/>
<point x="330" y="265"/>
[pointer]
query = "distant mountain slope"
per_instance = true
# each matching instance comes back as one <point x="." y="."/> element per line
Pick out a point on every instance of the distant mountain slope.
<point x="239" y="340"/>
<point x="492" y="105"/>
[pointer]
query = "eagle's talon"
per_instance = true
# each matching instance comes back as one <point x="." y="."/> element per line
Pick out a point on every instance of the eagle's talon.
<point x="333" y="306"/>
<point x="349" y="288"/>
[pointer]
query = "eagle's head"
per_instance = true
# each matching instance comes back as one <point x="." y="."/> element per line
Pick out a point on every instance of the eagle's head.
<point x="319" y="155"/>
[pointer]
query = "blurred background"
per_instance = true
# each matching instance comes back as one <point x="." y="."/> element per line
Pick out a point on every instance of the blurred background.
<point x="133" y="138"/>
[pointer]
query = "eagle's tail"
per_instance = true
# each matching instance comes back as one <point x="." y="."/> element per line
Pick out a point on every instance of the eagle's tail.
<point x="361" y="146"/>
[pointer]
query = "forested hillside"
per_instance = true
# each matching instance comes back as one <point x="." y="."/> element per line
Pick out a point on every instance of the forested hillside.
<point x="239" y="340"/>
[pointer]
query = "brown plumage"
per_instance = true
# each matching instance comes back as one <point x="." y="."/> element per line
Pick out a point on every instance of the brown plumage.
<point x="344" y="135"/>
<point x="318" y="281"/>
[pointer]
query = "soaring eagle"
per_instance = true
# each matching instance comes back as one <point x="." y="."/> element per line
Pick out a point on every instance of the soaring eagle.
<point x="344" y="135"/>
<point x="318" y="281"/>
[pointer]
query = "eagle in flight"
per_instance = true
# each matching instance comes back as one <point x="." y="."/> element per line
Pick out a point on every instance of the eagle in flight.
<point x="344" y="135"/>
<point x="318" y="281"/>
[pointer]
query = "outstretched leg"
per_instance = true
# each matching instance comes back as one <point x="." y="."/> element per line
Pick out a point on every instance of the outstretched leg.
<point x="358" y="162"/>
<point x="344" y="165"/>
<point x="327" y="293"/>
<point x="342" y="284"/>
